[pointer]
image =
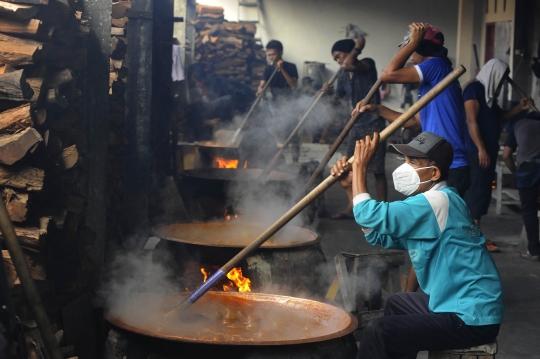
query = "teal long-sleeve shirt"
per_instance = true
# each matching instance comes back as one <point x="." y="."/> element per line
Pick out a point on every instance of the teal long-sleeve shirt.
<point x="447" y="249"/>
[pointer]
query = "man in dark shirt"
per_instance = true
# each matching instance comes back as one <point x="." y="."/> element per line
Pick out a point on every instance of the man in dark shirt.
<point x="525" y="135"/>
<point x="354" y="83"/>
<point x="286" y="79"/>
<point x="484" y="117"/>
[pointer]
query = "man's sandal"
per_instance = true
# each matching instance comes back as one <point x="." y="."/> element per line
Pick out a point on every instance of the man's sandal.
<point x="530" y="257"/>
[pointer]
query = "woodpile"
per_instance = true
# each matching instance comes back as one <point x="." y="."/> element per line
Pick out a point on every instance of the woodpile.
<point x="228" y="49"/>
<point x="117" y="106"/>
<point x="42" y="55"/>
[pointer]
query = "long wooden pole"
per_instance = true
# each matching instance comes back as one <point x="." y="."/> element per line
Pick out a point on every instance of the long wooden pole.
<point x="338" y="141"/>
<point x="304" y="202"/>
<point x="520" y="91"/>
<point x="257" y="100"/>
<point x="28" y="284"/>
<point x="264" y="174"/>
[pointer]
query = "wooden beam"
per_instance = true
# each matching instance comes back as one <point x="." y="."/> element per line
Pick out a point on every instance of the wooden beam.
<point x="17" y="11"/>
<point x="16" y="28"/>
<point x="17" y="52"/>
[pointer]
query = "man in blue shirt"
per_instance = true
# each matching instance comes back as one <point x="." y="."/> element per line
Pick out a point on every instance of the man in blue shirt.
<point x="462" y="301"/>
<point x="445" y="115"/>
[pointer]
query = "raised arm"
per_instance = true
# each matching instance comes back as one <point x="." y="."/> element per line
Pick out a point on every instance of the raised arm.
<point x="291" y="81"/>
<point x="351" y="64"/>
<point x="395" y="72"/>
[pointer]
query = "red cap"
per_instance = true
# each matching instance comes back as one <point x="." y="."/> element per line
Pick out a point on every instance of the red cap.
<point x="431" y="33"/>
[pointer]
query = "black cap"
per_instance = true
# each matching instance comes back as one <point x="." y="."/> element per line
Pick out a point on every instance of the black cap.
<point x="428" y="145"/>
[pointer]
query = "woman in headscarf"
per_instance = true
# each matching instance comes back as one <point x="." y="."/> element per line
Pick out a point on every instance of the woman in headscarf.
<point x="484" y="117"/>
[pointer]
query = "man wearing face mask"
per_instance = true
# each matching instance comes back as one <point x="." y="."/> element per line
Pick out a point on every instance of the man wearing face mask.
<point x="462" y="301"/>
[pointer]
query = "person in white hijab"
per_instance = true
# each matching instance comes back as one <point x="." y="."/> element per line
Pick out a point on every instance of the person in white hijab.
<point x="484" y="118"/>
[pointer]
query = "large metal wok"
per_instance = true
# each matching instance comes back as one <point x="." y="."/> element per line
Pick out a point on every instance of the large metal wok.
<point x="292" y="262"/>
<point x="325" y="331"/>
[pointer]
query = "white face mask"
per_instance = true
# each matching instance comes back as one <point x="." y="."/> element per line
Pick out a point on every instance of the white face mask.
<point x="406" y="180"/>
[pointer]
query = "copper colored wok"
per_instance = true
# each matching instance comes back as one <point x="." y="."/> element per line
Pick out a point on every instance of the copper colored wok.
<point x="233" y="234"/>
<point x="334" y="322"/>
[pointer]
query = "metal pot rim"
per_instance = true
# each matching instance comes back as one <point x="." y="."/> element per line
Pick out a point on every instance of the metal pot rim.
<point x="266" y="245"/>
<point x="351" y="326"/>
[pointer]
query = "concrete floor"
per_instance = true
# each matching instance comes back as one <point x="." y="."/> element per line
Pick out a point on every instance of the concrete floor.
<point x="520" y="333"/>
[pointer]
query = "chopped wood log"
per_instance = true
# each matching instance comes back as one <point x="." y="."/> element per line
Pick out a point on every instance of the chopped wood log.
<point x="16" y="146"/>
<point x="30" y="236"/>
<point x="117" y="31"/>
<point x="37" y="86"/>
<point x="122" y="22"/>
<point x="22" y="177"/>
<point x="16" y="119"/>
<point x="27" y="28"/>
<point x="4" y="69"/>
<point x="16" y="204"/>
<point x="117" y="64"/>
<point x="119" y="9"/>
<point x="55" y="100"/>
<point x="13" y="86"/>
<point x="40" y="116"/>
<point x="36" y="270"/>
<point x="60" y="79"/>
<point x="113" y="76"/>
<point x="17" y="11"/>
<point x="18" y="52"/>
<point x="69" y="157"/>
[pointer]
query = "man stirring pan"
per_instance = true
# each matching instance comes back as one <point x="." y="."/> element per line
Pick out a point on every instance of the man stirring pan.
<point x="462" y="302"/>
<point x="354" y="82"/>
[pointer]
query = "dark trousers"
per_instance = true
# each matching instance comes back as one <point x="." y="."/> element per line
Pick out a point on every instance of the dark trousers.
<point x="478" y="195"/>
<point x="460" y="179"/>
<point x="529" y="204"/>
<point x="409" y="327"/>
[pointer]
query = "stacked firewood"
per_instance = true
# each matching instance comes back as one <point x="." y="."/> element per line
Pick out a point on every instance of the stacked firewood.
<point x="117" y="105"/>
<point x="228" y="49"/>
<point x="42" y="55"/>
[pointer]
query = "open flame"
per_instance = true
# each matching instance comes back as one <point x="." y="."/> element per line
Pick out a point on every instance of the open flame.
<point x="220" y="162"/>
<point x="229" y="216"/>
<point x="236" y="280"/>
<point x="204" y="274"/>
<point x="243" y="283"/>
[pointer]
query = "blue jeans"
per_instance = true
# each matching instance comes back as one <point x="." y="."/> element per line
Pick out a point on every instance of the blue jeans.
<point x="408" y="326"/>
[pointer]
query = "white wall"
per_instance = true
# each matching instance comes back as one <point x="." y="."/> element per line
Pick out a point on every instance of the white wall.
<point x="308" y="28"/>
